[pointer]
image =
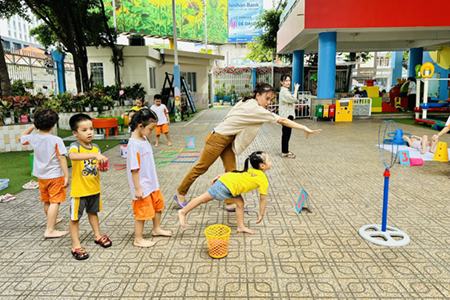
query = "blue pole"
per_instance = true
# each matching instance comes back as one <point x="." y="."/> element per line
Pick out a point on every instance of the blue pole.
<point x="396" y="63"/>
<point x="58" y="57"/>
<point x="297" y="68"/>
<point x="415" y="58"/>
<point x="385" y="200"/>
<point x="254" y="78"/>
<point x="327" y="65"/>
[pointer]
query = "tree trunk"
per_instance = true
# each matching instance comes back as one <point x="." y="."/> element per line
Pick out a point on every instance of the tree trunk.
<point x="5" y="83"/>
<point x="117" y="57"/>
<point x="81" y="72"/>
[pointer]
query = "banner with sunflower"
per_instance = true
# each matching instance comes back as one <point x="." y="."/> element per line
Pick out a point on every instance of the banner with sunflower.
<point x="154" y="17"/>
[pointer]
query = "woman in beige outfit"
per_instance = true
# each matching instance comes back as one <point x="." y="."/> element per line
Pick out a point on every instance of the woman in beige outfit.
<point x="234" y="134"/>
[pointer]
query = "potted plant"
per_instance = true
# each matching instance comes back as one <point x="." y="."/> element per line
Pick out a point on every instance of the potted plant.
<point x="220" y="93"/>
<point x="86" y="102"/>
<point x="6" y="114"/>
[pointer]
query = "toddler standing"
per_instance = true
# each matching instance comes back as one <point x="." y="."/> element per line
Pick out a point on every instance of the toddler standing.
<point x="85" y="192"/>
<point x="163" y="120"/>
<point x="148" y="201"/>
<point x="49" y="166"/>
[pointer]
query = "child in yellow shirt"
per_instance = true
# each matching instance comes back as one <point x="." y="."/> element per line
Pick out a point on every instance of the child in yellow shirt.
<point x="85" y="192"/>
<point x="232" y="185"/>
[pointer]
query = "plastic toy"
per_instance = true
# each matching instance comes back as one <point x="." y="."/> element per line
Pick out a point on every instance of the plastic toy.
<point x="441" y="153"/>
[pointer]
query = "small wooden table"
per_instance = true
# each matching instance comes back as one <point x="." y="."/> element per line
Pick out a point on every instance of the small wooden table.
<point x="107" y="124"/>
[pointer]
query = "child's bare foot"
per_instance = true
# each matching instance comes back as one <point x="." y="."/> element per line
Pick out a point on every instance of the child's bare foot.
<point x="169" y="143"/>
<point x="245" y="230"/>
<point x="182" y="219"/>
<point x="144" y="243"/>
<point x="161" y="232"/>
<point x="156" y="144"/>
<point x="54" y="234"/>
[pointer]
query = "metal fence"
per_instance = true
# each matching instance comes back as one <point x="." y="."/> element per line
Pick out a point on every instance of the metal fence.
<point x="39" y="69"/>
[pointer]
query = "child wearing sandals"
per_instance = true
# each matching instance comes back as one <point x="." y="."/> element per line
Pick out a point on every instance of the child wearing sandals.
<point x="85" y="192"/>
<point x="232" y="185"/>
<point x="148" y="201"/>
<point x="49" y="166"/>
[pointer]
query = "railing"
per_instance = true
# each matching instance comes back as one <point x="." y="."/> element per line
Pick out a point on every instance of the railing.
<point x="302" y="108"/>
<point x="362" y="107"/>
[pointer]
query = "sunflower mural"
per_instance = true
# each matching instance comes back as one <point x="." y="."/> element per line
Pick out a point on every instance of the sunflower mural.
<point x="154" y="17"/>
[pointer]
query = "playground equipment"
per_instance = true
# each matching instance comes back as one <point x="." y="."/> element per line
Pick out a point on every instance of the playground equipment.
<point x="395" y="137"/>
<point x="427" y="72"/>
<point x="106" y="124"/>
<point x="383" y="234"/>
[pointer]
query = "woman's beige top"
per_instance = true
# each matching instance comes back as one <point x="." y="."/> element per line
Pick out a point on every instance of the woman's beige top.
<point x="244" y="121"/>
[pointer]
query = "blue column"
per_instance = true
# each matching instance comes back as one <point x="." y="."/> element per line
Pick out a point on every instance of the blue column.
<point x="58" y="57"/>
<point x="297" y="68"/>
<point x="415" y="58"/>
<point x="327" y="65"/>
<point x="396" y="63"/>
<point x="254" y="78"/>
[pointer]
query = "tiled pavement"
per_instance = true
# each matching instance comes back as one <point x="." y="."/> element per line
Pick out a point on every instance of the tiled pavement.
<point x="316" y="255"/>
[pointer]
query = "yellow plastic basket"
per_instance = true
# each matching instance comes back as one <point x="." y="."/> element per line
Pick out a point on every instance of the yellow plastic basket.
<point x="218" y="236"/>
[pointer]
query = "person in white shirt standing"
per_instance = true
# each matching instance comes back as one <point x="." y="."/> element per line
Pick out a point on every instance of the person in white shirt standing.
<point x="163" y="120"/>
<point x="148" y="201"/>
<point x="49" y="166"/>
<point x="286" y="110"/>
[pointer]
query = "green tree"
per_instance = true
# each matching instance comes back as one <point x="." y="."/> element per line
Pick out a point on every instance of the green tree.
<point x="7" y="9"/>
<point x="74" y="25"/>
<point x="264" y="48"/>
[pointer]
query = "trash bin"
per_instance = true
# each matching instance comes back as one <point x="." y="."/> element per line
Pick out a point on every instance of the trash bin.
<point x="31" y="160"/>
<point x="218" y="236"/>
<point x="319" y="111"/>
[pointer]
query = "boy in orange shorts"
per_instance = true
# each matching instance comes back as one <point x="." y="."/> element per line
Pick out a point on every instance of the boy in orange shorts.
<point x="148" y="201"/>
<point x="163" y="120"/>
<point x="49" y="166"/>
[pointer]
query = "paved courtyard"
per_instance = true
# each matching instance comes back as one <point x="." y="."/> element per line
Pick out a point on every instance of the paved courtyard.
<point x="311" y="255"/>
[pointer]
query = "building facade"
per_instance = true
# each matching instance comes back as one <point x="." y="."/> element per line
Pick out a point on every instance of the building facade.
<point x="15" y="32"/>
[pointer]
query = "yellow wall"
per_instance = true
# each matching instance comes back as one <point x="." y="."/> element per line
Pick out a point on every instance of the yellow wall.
<point x="442" y="57"/>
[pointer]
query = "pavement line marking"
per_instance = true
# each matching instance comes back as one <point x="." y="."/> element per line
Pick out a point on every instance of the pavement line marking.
<point x="195" y="118"/>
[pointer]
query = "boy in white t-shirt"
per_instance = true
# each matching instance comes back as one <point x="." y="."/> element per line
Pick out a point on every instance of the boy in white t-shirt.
<point x="148" y="201"/>
<point x="49" y="166"/>
<point x="163" y="120"/>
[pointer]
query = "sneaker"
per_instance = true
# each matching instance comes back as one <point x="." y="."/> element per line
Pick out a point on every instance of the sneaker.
<point x="180" y="204"/>
<point x="288" y="155"/>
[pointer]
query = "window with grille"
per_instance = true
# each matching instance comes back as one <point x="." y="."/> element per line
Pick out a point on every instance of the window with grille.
<point x="97" y="74"/>
<point x="152" y="77"/>
<point x="191" y="80"/>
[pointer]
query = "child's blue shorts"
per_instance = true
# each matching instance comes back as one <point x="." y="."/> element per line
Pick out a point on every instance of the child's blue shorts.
<point x="219" y="191"/>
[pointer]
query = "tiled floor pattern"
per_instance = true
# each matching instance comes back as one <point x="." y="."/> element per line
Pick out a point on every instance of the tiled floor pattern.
<point x="318" y="255"/>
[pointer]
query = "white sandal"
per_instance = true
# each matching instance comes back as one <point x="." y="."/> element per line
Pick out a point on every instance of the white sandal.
<point x="31" y="185"/>
<point x="288" y="155"/>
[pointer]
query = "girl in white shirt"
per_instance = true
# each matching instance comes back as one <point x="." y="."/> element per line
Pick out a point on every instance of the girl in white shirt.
<point x="148" y="201"/>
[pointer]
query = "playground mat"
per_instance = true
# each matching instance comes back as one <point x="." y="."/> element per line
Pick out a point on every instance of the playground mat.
<point x="413" y="153"/>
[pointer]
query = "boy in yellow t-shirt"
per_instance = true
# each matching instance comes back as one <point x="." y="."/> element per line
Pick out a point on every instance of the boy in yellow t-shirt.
<point x="85" y="192"/>
<point x="232" y="185"/>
